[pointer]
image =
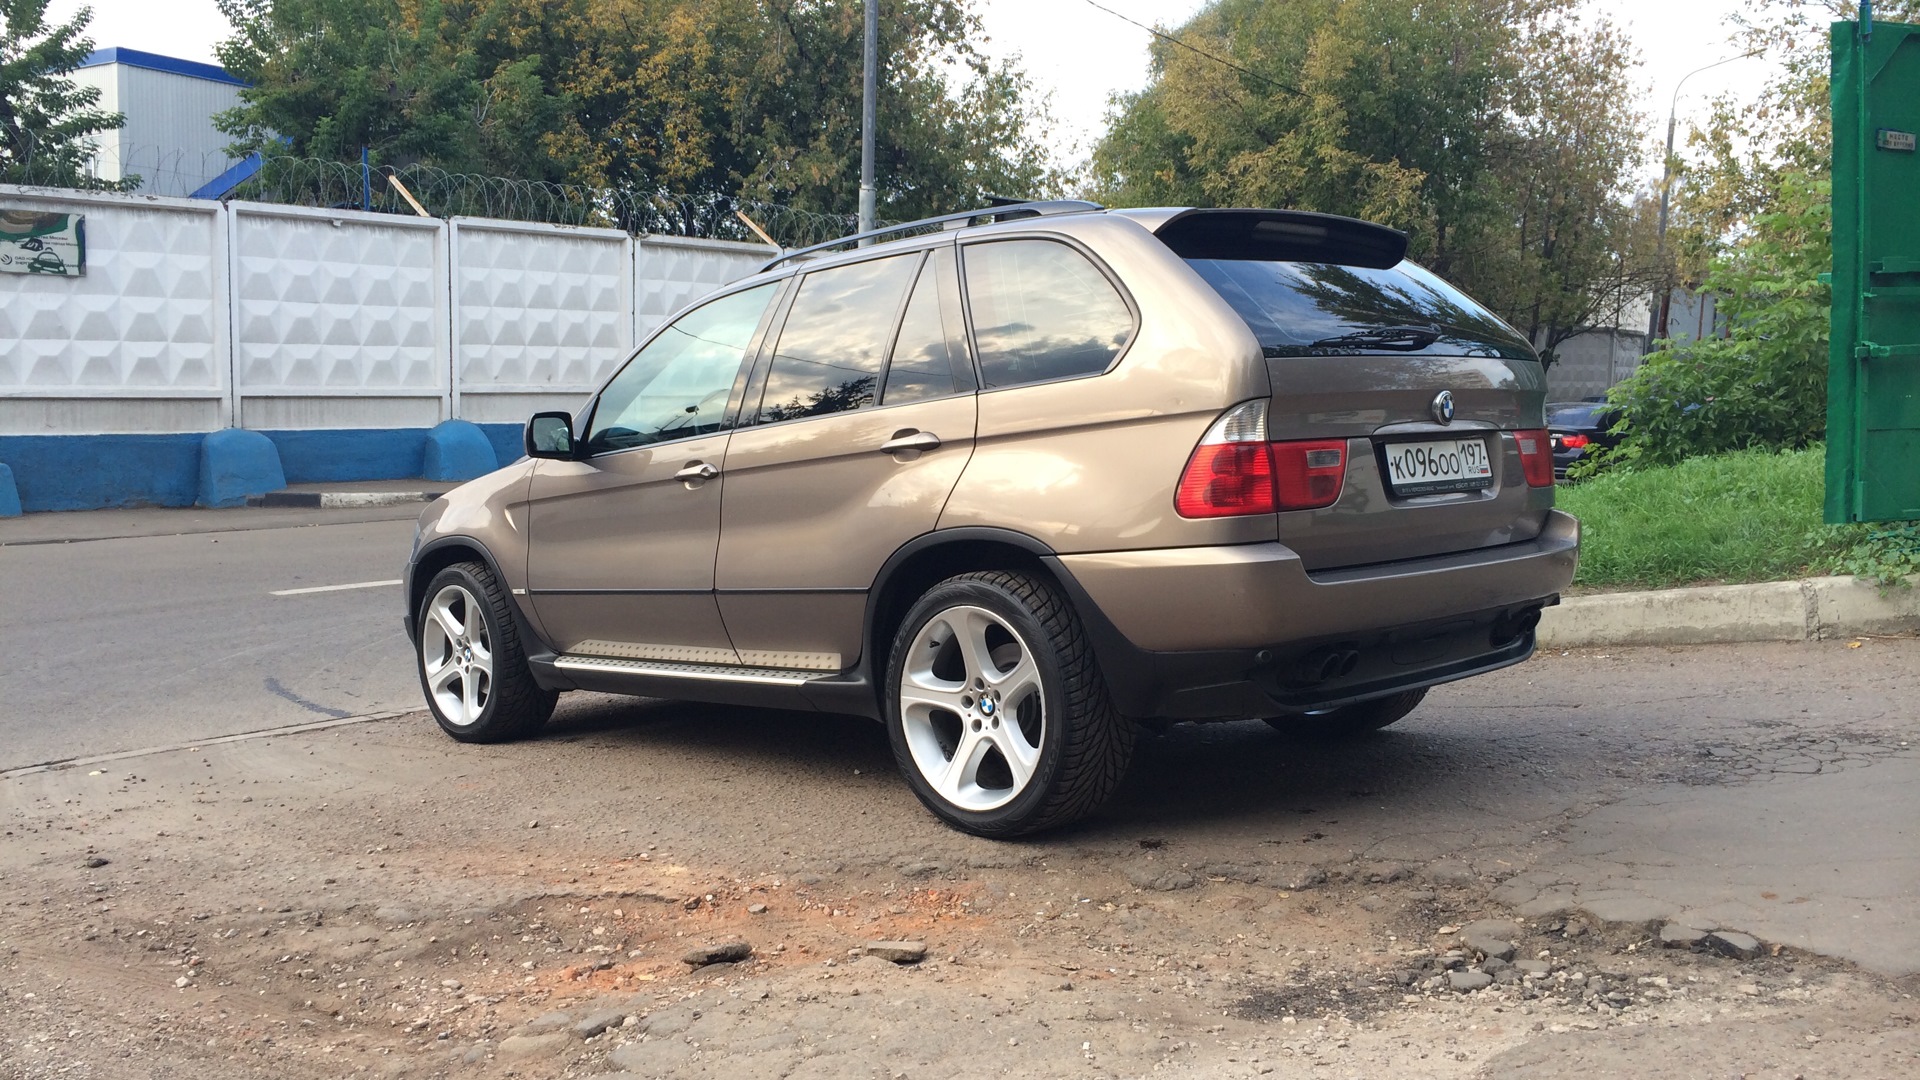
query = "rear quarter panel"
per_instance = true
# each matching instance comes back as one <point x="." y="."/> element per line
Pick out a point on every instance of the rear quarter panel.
<point x="1092" y="463"/>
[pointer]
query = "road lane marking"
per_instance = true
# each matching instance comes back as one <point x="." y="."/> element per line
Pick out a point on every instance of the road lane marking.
<point x="333" y="588"/>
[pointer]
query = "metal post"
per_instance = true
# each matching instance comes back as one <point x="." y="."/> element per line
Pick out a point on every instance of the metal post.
<point x="366" y="182"/>
<point x="869" y="111"/>
<point x="1657" y="312"/>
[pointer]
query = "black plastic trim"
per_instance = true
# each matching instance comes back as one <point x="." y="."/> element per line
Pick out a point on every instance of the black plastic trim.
<point x="856" y="691"/>
<point x="1242" y="683"/>
<point x="539" y="654"/>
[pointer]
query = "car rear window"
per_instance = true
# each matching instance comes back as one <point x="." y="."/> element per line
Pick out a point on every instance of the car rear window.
<point x="1580" y="414"/>
<point x="1326" y="309"/>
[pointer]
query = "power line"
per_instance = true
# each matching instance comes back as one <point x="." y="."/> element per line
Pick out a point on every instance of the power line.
<point x="1276" y="84"/>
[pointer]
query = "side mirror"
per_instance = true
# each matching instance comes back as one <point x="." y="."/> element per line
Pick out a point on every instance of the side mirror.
<point x="550" y="435"/>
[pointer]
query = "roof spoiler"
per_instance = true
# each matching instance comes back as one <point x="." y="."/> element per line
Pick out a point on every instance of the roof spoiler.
<point x="1282" y="236"/>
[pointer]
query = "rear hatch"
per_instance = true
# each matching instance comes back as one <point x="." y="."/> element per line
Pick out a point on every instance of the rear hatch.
<point x="1426" y="386"/>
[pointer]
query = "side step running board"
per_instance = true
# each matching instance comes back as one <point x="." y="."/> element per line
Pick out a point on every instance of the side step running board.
<point x="667" y="669"/>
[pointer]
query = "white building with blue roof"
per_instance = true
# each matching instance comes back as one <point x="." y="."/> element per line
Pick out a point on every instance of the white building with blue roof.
<point x="169" y="140"/>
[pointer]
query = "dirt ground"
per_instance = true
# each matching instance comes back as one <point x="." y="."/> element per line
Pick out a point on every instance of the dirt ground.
<point x="371" y="898"/>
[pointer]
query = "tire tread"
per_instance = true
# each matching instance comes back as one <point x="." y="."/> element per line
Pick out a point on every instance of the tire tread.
<point x="519" y="707"/>
<point x="1098" y="742"/>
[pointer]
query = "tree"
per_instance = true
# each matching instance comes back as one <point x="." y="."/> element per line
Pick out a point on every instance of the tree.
<point x="1764" y="383"/>
<point x="47" y="123"/>
<point x="638" y="97"/>
<point x="1499" y="133"/>
<point x="1752" y="227"/>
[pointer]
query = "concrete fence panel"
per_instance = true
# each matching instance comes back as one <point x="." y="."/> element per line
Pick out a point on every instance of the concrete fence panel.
<point x="342" y="336"/>
<point x="541" y="314"/>
<point x="671" y="272"/>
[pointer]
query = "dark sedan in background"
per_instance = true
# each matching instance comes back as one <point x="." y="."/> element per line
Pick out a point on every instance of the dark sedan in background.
<point x="1574" y="427"/>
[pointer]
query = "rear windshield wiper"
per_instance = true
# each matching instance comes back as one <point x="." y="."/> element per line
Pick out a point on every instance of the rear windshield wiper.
<point x="1409" y="338"/>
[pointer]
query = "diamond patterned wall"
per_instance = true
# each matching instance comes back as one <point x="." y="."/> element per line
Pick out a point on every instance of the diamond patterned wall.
<point x="338" y="305"/>
<point x="670" y="274"/>
<point x="539" y="309"/>
<point x="330" y="318"/>
<point x="146" y="317"/>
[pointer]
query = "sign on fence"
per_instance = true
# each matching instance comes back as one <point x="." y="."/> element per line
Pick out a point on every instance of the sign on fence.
<point x="32" y="242"/>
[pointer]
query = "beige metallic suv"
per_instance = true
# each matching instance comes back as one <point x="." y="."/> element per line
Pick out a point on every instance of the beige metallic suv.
<point x="1014" y="483"/>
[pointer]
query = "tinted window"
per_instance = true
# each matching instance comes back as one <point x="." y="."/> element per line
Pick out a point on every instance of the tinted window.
<point x="835" y="339"/>
<point x="679" y="383"/>
<point x="1041" y="311"/>
<point x="1581" y="414"/>
<point x="922" y="365"/>
<point x="1321" y="309"/>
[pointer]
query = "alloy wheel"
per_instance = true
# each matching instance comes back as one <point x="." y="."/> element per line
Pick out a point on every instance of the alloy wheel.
<point x="972" y="708"/>
<point x="456" y="654"/>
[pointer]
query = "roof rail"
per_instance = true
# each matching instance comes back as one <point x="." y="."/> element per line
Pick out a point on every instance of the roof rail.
<point x="998" y="212"/>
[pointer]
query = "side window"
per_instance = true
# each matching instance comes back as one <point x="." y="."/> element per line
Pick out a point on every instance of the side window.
<point x="835" y="339"/>
<point x="679" y="383"/>
<point x="923" y="361"/>
<point x="1041" y="311"/>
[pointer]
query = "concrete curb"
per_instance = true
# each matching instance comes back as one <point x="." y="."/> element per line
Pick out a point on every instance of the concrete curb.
<point x="339" y="500"/>
<point x="1812" y="609"/>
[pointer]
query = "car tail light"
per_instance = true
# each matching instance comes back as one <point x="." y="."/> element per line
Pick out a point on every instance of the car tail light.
<point x="1536" y="456"/>
<point x="1231" y="471"/>
<point x="1573" y="442"/>
<point x="1308" y="475"/>
<point x="1235" y="471"/>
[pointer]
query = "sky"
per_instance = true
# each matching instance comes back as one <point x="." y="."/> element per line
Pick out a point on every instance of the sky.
<point x="1080" y="55"/>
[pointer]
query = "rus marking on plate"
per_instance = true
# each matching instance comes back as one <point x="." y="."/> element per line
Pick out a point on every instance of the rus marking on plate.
<point x="1889" y="139"/>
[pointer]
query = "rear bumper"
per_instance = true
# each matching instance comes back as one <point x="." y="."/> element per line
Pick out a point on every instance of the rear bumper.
<point x="1193" y="633"/>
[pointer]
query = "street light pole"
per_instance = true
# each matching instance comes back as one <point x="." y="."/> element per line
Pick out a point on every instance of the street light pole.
<point x="869" y="110"/>
<point x="1657" y="313"/>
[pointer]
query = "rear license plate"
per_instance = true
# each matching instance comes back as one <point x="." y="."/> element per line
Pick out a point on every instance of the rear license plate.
<point x="1427" y="468"/>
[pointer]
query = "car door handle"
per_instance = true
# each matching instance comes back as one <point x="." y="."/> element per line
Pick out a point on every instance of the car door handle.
<point x="695" y="472"/>
<point x="909" y="439"/>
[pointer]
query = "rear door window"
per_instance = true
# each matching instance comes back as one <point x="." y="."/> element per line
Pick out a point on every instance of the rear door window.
<point x="1042" y="311"/>
<point x="928" y="360"/>
<point x="834" y="342"/>
<point x="1325" y="309"/>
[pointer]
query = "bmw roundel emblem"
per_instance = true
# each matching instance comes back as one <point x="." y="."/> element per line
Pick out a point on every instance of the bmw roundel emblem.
<point x="1443" y="407"/>
<point x="986" y="706"/>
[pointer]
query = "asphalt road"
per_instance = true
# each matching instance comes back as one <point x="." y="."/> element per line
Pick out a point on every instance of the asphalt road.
<point x="1238" y="875"/>
<point x="1770" y="788"/>
<point x="128" y="641"/>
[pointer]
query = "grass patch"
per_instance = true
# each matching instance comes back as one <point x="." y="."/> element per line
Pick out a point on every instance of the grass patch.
<point x="1740" y="517"/>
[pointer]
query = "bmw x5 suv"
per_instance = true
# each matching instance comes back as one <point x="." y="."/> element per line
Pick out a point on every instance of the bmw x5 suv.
<point x="1015" y="483"/>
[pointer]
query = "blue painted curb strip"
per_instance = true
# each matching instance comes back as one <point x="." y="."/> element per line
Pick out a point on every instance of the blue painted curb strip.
<point x="91" y="472"/>
<point x="509" y="441"/>
<point x="9" y="495"/>
<point x="457" y="450"/>
<point x="236" y="463"/>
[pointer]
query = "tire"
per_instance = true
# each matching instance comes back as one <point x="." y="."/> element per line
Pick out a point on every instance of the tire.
<point x="466" y="641"/>
<point x="991" y="676"/>
<point x="1350" y="721"/>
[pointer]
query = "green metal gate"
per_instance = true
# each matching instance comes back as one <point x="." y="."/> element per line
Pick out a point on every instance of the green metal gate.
<point x="1873" y="377"/>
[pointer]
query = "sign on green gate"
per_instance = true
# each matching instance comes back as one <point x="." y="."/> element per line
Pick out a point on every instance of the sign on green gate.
<point x="1873" y="374"/>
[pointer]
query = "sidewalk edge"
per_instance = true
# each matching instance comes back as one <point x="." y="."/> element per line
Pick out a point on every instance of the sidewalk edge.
<point x="1810" y="609"/>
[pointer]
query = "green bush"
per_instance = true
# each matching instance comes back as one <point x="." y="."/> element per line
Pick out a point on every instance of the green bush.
<point x="1765" y="384"/>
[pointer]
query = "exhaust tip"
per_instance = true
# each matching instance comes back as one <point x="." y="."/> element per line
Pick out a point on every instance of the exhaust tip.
<point x="1508" y="629"/>
<point x="1322" y="665"/>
